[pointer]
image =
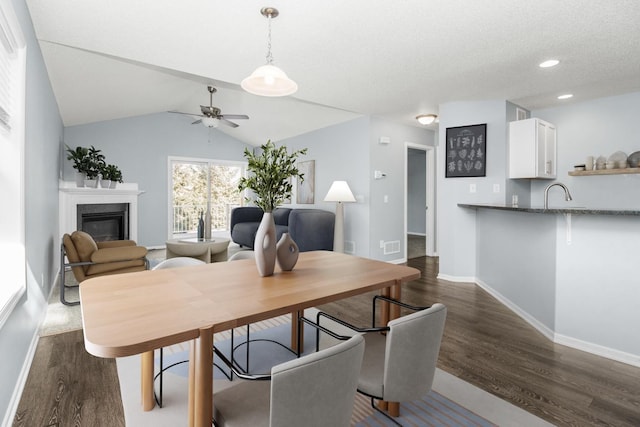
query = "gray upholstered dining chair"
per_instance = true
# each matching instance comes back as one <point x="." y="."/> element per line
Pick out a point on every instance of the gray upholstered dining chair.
<point x="399" y="365"/>
<point x="171" y="263"/>
<point x="316" y="390"/>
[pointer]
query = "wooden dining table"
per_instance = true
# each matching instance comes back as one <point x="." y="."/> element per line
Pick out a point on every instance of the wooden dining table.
<point x="136" y="313"/>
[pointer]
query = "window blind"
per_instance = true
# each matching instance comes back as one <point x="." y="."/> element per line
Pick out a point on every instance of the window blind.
<point x="8" y="60"/>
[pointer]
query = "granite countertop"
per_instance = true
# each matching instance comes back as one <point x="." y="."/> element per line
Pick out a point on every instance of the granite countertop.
<point x="570" y="210"/>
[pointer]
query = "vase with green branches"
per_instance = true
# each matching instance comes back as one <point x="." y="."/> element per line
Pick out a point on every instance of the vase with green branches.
<point x="270" y="180"/>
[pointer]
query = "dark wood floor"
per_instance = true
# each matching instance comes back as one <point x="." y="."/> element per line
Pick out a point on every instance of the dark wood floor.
<point x="66" y="386"/>
<point x="487" y="345"/>
<point x="484" y="344"/>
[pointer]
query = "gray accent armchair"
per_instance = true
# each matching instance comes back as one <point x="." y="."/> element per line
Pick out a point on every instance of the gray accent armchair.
<point x="316" y="390"/>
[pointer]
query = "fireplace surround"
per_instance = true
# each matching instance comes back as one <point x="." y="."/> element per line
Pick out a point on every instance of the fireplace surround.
<point x="101" y="201"/>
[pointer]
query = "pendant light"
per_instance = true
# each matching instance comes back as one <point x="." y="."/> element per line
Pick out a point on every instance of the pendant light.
<point x="269" y="80"/>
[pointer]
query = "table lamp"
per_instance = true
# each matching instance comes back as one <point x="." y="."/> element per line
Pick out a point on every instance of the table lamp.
<point x="339" y="193"/>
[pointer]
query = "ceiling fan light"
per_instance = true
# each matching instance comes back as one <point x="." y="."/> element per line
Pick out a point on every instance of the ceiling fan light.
<point x="269" y="80"/>
<point x="426" y="119"/>
<point x="210" y="122"/>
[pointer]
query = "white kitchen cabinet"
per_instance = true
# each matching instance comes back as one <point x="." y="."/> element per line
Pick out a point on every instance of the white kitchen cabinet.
<point x="532" y="149"/>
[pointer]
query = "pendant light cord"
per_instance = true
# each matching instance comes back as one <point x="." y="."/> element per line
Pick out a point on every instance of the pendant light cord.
<point x="269" y="55"/>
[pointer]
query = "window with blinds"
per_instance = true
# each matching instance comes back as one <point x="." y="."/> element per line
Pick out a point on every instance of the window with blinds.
<point x="12" y="147"/>
<point x="8" y="69"/>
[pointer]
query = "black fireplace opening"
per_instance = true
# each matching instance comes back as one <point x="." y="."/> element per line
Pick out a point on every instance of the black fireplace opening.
<point x="104" y="221"/>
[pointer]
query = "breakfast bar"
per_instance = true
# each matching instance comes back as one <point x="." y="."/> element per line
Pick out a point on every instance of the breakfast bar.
<point x="570" y="272"/>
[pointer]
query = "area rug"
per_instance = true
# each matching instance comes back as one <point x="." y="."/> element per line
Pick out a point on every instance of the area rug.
<point x="452" y="402"/>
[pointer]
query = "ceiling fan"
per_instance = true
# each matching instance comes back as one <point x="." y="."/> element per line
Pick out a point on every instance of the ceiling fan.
<point x="211" y="115"/>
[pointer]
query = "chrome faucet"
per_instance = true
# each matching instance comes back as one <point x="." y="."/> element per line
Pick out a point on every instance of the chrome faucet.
<point x="567" y="194"/>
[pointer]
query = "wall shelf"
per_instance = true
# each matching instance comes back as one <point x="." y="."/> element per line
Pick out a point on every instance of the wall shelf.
<point x="605" y="172"/>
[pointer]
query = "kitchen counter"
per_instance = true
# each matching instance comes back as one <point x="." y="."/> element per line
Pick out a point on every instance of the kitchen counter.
<point x="574" y="210"/>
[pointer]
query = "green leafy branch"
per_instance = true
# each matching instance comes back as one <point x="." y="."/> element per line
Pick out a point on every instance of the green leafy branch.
<point x="271" y="173"/>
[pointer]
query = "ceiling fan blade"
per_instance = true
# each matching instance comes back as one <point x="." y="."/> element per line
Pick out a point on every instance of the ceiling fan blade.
<point x="233" y="116"/>
<point x="196" y="122"/>
<point x="227" y="122"/>
<point x="180" y="112"/>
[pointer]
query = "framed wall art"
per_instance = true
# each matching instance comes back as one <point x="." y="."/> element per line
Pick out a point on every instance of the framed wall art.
<point x="305" y="189"/>
<point x="466" y="151"/>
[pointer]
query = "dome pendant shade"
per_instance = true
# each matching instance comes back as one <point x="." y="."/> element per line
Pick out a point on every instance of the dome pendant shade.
<point x="269" y="80"/>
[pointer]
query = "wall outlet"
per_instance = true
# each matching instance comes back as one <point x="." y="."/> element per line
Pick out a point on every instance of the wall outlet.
<point x="496" y="188"/>
<point x="381" y="244"/>
<point x="472" y="188"/>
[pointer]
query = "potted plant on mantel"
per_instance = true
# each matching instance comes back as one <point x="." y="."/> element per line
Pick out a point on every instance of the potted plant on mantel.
<point x="92" y="166"/>
<point x="110" y="174"/>
<point x="79" y="157"/>
<point x="270" y="181"/>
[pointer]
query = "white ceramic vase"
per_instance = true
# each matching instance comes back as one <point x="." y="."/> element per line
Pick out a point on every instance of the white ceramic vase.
<point x="287" y="252"/>
<point x="264" y="245"/>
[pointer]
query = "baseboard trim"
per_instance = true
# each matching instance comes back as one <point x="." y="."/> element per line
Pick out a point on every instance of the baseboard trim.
<point x="539" y="326"/>
<point x="598" y="350"/>
<point x="588" y="347"/>
<point x="460" y="279"/>
<point x="22" y="381"/>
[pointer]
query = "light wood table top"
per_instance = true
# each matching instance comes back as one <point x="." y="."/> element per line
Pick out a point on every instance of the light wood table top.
<point x="138" y="312"/>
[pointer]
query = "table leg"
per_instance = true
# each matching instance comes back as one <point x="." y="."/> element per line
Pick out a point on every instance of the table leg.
<point x="295" y="325"/>
<point x="203" y="400"/>
<point x="390" y="312"/>
<point x="192" y="382"/>
<point x="146" y="381"/>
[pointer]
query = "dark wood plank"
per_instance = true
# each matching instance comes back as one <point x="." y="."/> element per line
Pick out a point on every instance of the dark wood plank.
<point x="66" y="386"/>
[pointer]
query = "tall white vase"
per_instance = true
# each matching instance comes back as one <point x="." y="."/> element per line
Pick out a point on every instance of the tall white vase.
<point x="264" y="245"/>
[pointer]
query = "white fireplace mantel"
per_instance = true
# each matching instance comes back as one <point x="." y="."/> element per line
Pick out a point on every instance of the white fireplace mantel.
<point x="70" y="196"/>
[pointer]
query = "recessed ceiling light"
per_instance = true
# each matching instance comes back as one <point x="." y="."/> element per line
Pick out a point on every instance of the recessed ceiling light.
<point x="565" y="96"/>
<point x="549" y="63"/>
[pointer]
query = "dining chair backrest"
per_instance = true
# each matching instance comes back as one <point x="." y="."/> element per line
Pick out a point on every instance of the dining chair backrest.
<point x="242" y="255"/>
<point x="411" y="354"/>
<point x="317" y="390"/>
<point x="178" y="262"/>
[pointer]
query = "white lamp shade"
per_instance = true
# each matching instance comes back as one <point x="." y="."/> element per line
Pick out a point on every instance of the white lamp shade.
<point x="426" y="119"/>
<point x="269" y="80"/>
<point x="210" y="122"/>
<point x="339" y="192"/>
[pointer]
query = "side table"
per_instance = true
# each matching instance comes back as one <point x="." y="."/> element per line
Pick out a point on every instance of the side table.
<point x="207" y="250"/>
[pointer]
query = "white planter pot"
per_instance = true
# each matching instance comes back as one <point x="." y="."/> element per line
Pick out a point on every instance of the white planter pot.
<point x="105" y="183"/>
<point x="80" y="177"/>
<point x="91" y="183"/>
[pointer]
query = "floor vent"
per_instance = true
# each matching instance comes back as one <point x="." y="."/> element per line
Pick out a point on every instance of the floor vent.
<point x="349" y="247"/>
<point x="392" y="247"/>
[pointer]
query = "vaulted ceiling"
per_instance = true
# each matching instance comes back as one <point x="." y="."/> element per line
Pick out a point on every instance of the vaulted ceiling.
<point x="395" y="60"/>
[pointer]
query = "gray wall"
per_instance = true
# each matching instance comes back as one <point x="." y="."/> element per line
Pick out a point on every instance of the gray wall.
<point x="341" y="153"/>
<point x="351" y="152"/>
<point x="140" y="146"/>
<point x="43" y="135"/>
<point x="387" y="218"/>
<point x="456" y="226"/>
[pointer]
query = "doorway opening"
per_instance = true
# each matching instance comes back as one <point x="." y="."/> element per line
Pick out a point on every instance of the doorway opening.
<point x="419" y="209"/>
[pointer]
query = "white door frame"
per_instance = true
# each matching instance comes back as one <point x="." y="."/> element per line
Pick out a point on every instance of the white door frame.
<point x="430" y="242"/>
